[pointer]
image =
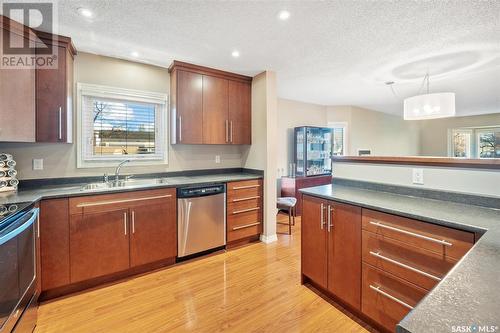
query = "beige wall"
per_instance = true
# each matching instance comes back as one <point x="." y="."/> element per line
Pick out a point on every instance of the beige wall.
<point x="262" y="153"/>
<point x="434" y="133"/>
<point x="384" y="134"/>
<point x="294" y="114"/>
<point x="60" y="159"/>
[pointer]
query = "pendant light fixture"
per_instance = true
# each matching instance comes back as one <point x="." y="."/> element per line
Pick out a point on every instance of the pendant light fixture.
<point x="429" y="106"/>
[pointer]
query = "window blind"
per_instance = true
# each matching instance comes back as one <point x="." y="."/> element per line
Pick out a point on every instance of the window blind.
<point x="115" y="129"/>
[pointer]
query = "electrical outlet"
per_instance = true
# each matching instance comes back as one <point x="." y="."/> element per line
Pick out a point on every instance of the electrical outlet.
<point x="38" y="164"/>
<point x="217" y="159"/>
<point x="418" y="176"/>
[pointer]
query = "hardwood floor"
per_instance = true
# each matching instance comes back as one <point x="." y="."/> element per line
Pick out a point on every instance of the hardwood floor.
<point x="251" y="289"/>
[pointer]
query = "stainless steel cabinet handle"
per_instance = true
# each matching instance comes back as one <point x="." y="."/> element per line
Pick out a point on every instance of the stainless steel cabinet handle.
<point x="38" y="226"/>
<point x="244" y="187"/>
<point x="329" y="225"/>
<point x="112" y="202"/>
<point x="430" y="239"/>
<point x="133" y="222"/>
<point x="244" y="199"/>
<point x="180" y="128"/>
<point x="60" y="123"/>
<point x="322" y="216"/>
<point x="231" y="131"/>
<point x="245" y="226"/>
<point x="227" y="131"/>
<point x="389" y="296"/>
<point x="400" y="264"/>
<point x="245" y="210"/>
<point x="125" y="222"/>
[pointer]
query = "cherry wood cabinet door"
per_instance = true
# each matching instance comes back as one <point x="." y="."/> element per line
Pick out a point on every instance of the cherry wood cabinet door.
<point x="314" y="240"/>
<point x="54" y="243"/>
<point x="240" y="122"/>
<point x="188" y="104"/>
<point x="99" y="244"/>
<point x="344" y="252"/>
<point x="17" y="96"/>
<point x="153" y="232"/>
<point x="51" y="103"/>
<point x="215" y="110"/>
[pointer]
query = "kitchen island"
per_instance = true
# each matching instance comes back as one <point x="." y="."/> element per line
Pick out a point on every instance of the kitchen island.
<point x="464" y="296"/>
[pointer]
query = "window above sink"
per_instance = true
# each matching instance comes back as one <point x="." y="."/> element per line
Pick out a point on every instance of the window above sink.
<point x="116" y="123"/>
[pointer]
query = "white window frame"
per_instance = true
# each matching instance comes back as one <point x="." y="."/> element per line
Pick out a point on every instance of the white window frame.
<point x="344" y="126"/>
<point x="85" y="89"/>
<point x="478" y="133"/>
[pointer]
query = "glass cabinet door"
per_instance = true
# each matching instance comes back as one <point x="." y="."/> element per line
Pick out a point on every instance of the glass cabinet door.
<point x="318" y="151"/>
<point x="300" y="154"/>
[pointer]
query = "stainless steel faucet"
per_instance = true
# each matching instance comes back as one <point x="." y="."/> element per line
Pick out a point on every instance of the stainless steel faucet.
<point x="117" y="171"/>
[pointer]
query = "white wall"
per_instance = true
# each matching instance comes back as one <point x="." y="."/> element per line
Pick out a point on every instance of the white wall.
<point x="60" y="159"/>
<point x="483" y="182"/>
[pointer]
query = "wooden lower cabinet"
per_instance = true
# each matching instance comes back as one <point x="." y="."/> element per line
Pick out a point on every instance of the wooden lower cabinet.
<point x="85" y="239"/>
<point x="387" y="298"/>
<point x="153" y="233"/>
<point x="54" y="243"/>
<point x="379" y="264"/>
<point x="99" y="244"/>
<point x="314" y="241"/>
<point x="331" y="248"/>
<point x="244" y="211"/>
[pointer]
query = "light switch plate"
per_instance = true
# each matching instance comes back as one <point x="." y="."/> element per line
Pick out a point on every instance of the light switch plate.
<point x="418" y="176"/>
<point x="38" y="164"/>
<point x="217" y="159"/>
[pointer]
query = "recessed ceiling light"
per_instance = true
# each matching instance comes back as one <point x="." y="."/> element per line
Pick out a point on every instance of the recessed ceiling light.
<point x="284" y="15"/>
<point x="85" y="12"/>
<point x="134" y="54"/>
<point x="235" y="54"/>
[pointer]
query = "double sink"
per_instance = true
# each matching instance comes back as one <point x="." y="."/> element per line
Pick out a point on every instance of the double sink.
<point x="125" y="183"/>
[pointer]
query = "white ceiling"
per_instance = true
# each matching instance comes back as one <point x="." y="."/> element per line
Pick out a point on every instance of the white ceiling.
<point x="328" y="52"/>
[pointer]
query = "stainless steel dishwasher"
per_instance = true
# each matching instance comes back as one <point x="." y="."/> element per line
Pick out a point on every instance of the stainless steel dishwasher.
<point x="201" y="218"/>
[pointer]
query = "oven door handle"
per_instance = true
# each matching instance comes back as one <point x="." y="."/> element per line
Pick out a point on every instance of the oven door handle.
<point x="4" y="238"/>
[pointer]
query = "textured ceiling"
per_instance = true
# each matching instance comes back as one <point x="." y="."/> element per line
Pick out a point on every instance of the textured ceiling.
<point x="328" y="52"/>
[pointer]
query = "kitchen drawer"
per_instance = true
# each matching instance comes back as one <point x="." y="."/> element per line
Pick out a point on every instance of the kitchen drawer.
<point x="244" y="189"/>
<point x="244" y="218"/>
<point x="442" y="240"/>
<point x="117" y="201"/>
<point x="237" y="232"/>
<point x="238" y="206"/>
<point x="418" y="266"/>
<point x="387" y="299"/>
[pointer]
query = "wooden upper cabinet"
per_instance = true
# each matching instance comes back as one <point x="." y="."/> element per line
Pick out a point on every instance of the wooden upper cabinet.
<point x="187" y="107"/>
<point x="215" y="110"/>
<point x="240" y="113"/>
<point x="209" y="106"/>
<point x="17" y="90"/>
<point x="54" y="93"/>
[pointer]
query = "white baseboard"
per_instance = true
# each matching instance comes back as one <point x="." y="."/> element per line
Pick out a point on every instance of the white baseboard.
<point x="268" y="239"/>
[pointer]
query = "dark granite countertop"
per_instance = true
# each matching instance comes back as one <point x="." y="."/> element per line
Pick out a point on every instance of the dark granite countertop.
<point x="469" y="294"/>
<point x="59" y="191"/>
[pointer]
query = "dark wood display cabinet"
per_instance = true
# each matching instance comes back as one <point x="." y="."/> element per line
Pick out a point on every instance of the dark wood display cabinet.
<point x="290" y="187"/>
